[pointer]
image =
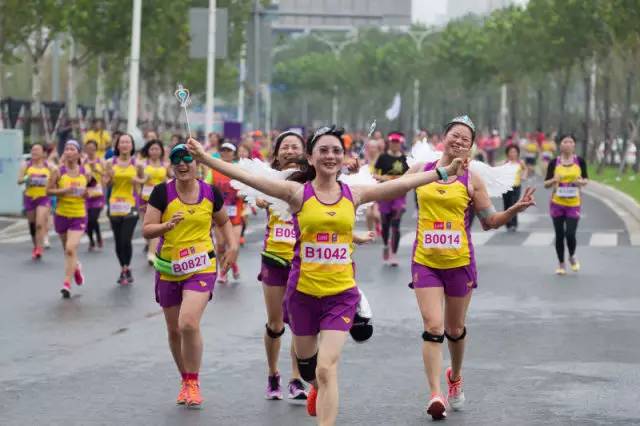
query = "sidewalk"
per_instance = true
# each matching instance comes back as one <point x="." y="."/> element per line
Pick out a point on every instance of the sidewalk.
<point x="625" y="206"/>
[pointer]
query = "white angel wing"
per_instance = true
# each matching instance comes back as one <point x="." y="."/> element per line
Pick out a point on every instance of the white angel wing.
<point x="363" y="177"/>
<point x="260" y="168"/>
<point x="499" y="179"/>
<point x="422" y="152"/>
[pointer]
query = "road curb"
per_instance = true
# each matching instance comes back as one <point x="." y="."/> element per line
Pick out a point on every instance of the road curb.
<point x="626" y="207"/>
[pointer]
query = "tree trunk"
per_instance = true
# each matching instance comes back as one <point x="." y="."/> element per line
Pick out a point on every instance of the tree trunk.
<point x="513" y="113"/>
<point x="72" y="102"/>
<point x="100" y="88"/>
<point x="504" y="111"/>
<point x="626" y="115"/>
<point x="606" y="88"/>
<point x="586" y="75"/>
<point x="564" y="88"/>
<point x="540" y="118"/>
<point x="2" y="117"/>
<point x="34" y="118"/>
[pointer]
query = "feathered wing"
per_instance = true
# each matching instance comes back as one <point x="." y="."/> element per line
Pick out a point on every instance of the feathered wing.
<point x="363" y="177"/>
<point x="262" y="169"/>
<point x="422" y="152"/>
<point x="498" y="180"/>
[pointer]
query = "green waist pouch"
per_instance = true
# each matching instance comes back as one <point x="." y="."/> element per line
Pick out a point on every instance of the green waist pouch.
<point x="275" y="261"/>
<point x="164" y="266"/>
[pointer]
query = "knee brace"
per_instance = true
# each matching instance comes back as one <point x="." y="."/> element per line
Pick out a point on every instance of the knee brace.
<point x="435" y="338"/>
<point x="274" y="334"/>
<point x="32" y="229"/>
<point x="307" y="368"/>
<point x="457" y="339"/>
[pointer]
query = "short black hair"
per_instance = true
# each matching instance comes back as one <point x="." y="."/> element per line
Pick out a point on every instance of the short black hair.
<point x="145" y="149"/>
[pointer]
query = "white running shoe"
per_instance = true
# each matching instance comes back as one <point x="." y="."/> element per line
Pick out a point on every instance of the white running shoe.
<point x="456" y="394"/>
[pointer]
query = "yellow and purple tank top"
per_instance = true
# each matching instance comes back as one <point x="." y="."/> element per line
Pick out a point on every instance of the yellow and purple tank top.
<point x="38" y="180"/>
<point x="521" y="168"/>
<point x="322" y="264"/>
<point x="122" y="201"/>
<point x="280" y="237"/>
<point x="443" y="236"/>
<point x="189" y="246"/>
<point x="548" y="150"/>
<point x="567" y="194"/>
<point x="95" y="189"/>
<point x="531" y="149"/>
<point x="156" y="175"/>
<point x="72" y="205"/>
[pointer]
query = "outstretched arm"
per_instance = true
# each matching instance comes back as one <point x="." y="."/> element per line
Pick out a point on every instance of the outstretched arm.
<point x="285" y="190"/>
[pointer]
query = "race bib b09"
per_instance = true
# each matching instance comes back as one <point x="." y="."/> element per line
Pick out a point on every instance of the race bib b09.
<point x="284" y="234"/>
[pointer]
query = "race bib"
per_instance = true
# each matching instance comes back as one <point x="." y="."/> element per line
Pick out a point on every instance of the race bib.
<point x="120" y="207"/>
<point x="284" y="234"/>
<point x="146" y="191"/>
<point x="38" y="181"/>
<point x="442" y="239"/>
<point x="567" y="191"/>
<point x="78" y="191"/>
<point x="95" y="191"/>
<point x="232" y="211"/>
<point x="326" y="254"/>
<point x="190" y="263"/>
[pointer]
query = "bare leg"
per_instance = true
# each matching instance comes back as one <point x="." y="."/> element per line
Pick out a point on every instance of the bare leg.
<point x="191" y="310"/>
<point x="455" y="314"/>
<point x="41" y="219"/>
<point x="171" y="316"/>
<point x="331" y="344"/>
<point x="430" y="301"/>
<point x="273" y="296"/>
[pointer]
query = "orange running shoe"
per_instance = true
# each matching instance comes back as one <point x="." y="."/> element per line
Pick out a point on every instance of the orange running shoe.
<point x="194" y="399"/>
<point x="34" y="253"/>
<point x="183" y="395"/>
<point x="311" y="401"/>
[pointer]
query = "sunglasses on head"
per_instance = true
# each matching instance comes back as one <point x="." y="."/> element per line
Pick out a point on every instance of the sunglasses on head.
<point x="176" y="159"/>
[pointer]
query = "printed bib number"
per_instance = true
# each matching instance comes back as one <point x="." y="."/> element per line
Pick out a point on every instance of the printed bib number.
<point x="146" y="191"/>
<point x="78" y="191"/>
<point x="38" y="181"/>
<point x="284" y="234"/>
<point x="95" y="191"/>
<point x="120" y="207"/>
<point x="436" y="239"/>
<point x="328" y="254"/>
<point x="232" y="211"/>
<point x="189" y="264"/>
<point x="567" y="192"/>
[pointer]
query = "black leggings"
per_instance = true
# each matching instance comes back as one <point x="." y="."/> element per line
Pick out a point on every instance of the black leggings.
<point x="509" y="199"/>
<point x="123" y="227"/>
<point x="92" y="224"/>
<point x="391" y="225"/>
<point x="563" y="232"/>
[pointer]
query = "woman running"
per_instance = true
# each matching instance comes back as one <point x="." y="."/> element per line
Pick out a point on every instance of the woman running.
<point x="123" y="214"/>
<point x="511" y="197"/>
<point x="531" y="149"/>
<point x="181" y="213"/>
<point x="372" y="151"/>
<point x="391" y="165"/>
<point x="154" y="172"/>
<point x="321" y="295"/>
<point x="69" y="184"/>
<point x="443" y="266"/>
<point x="234" y="207"/>
<point x="35" y="175"/>
<point x="549" y="149"/>
<point x="95" y="193"/>
<point x="567" y="174"/>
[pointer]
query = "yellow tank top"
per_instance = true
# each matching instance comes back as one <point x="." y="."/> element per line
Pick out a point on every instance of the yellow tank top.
<point x="123" y="198"/>
<point x="548" y="147"/>
<point x="157" y="175"/>
<point x="96" y="173"/>
<point x="443" y="238"/>
<point x="187" y="246"/>
<point x="72" y="204"/>
<point x="280" y="237"/>
<point x="567" y="193"/>
<point x="322" y="264"/>
<point x="38" y="180"/>
<point x="531" y="148"/>
<point x="521" y="169"/>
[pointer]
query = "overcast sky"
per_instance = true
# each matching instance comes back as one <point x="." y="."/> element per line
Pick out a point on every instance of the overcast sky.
<point x="427" y="11"/>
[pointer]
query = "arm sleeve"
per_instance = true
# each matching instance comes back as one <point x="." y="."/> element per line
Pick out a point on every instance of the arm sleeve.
<point x="551" y="169"/>
<point x="218" y="201"/>
<point x="158" y="197"/>
<point x="583" y="168"/>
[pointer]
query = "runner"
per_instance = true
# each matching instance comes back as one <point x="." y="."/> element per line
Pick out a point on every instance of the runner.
<point x="123" y="214"/>
<point x="154" y="172"/>
<point x="234" y="206"/>
<point x="443" y="268"/>
<point x="322" y="295"/>
<point x="510" y="198"/>
<point x="181" y="213"/>
<point x="549" y="149"/>
<point x="35" y="174"/>
<point x="567" y="174"/>
<point x="531" y="149"/>
<point x="372" y="151"/>
<point x="391" y="165"/>
<point x="69" y="184"/>
<point x="95" y="193"/>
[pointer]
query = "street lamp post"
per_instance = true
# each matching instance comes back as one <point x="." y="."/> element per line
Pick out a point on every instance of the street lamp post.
<point x="418" y="38"/>
<point x="134" y="68"/>
<point x="211" y="68"/>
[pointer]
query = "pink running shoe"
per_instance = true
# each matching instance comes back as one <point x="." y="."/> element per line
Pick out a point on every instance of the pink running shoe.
<point x="456" y="394"/>
<point x="437" y="407"/>
<point x="385" y="253"/>
<point x="274" y="390"/>
<point x="77" y="275"/>
<point x="66" y="290"/>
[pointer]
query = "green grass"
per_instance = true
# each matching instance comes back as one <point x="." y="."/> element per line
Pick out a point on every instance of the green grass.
<point x="628" y="183"/>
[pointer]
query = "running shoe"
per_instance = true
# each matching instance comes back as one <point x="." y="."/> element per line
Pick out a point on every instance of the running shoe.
<point x="311" y="401"/>
<point x="273" y="392"/>
<point x="194" y="399"/>
<point x="235" y="270"/>
<point x="151" y="258"/>
<point x="297" y="390"/>
<point x="77" y="275"/>
<point x="222" y="278"/>
<point x="385" y="253"/>
<point x="437" y="407"/>
<point x="100" y="245"/>
<point x="66" y="290"/>
<point x="456" y="394"/>
<point x="92" y="247"/>
<point x="242" y="241"/>
<point x="129" y="276"/>
<point x="182" y="396"/>
<point x="392" y="260"/>
<point x="123" y="279"/>
<point x="561" y="270"/>
<point x="575" y="265"/>
<point x="35" y="254"/>
<point x="46" y="242"/>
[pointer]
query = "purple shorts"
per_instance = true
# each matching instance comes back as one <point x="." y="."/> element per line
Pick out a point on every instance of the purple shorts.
<point x="31" y="204"/>
<point x="308" y="315"/>
<point x="557" y="210"/>
<point x="64" y="224"/>
<point x="169" y="293"/>
<point x="457" y="282"/>
<point x="95" y="202"/>
<point x="396" y="205"/>
<point x="273" y="276"/>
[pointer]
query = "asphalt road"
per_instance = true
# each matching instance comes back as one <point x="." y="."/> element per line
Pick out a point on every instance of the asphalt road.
<point x="542" y="349"/>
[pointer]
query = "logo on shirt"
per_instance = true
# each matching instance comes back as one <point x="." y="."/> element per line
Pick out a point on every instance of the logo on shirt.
<point x="191" y="211"/>
<point x="346" y="320"/>
<point x="448" y="225"/>
<point x="322" y="237"/>
<point x="334" y="237"/>
<point x="183" y="252"/>
<point x="438" y="225"/>
<point x="331" y="213"/>
<point x="441" y="191"/>
<point x="202" y="284"/>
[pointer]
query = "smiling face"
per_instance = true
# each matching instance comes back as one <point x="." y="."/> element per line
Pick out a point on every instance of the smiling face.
<point x="513" y="154"/>
<point x="458" y="141"/>
<point x="289" y="152"/>
<point x="227" y="155"/>
<point x="184" y="171"/>
<point x="155" y="152"/>
<point x="37" y="152"/>
<point x="125" y="144"/>
<point x="90" y="149"/>
<point x="327" y="155"/>
<point x="71" y="153"/>
<point x="568" y="145"/>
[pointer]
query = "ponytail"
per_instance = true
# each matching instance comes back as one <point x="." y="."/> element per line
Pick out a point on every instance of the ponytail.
<point x="306" y="174"/>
